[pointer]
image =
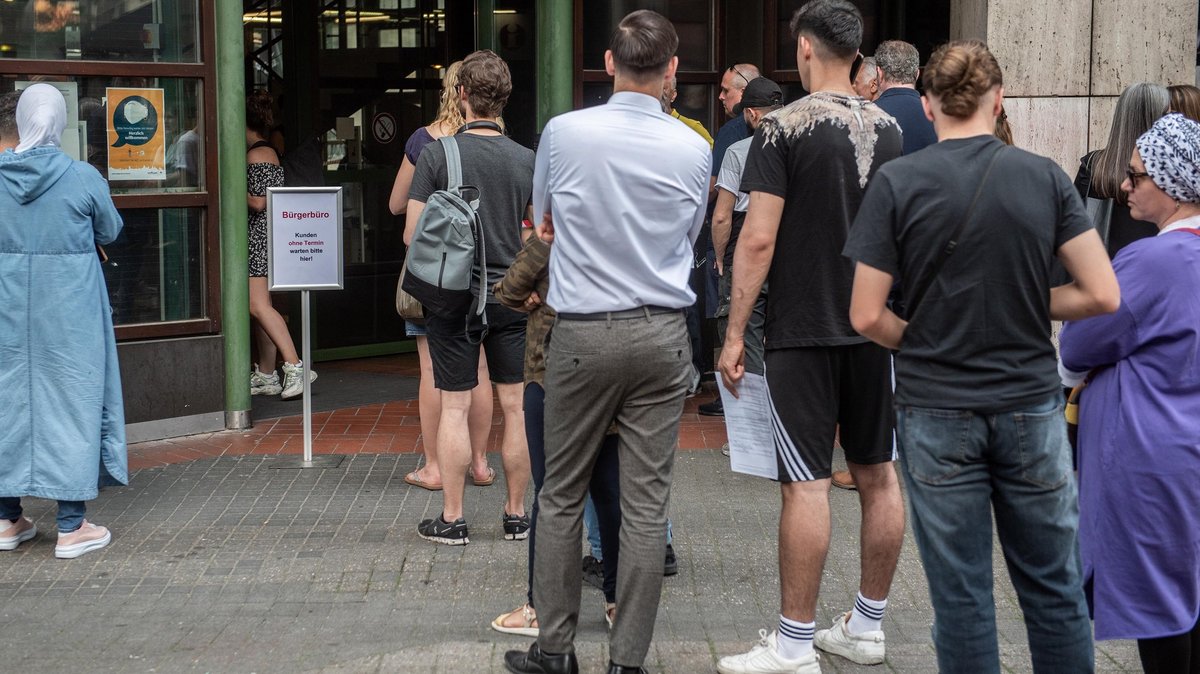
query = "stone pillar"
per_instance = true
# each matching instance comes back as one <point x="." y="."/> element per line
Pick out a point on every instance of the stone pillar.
<point x="1066" y="62"/>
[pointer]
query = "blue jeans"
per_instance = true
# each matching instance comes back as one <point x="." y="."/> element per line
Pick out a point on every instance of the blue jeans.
<point x="961" y="467"/>
<point x="70" y="513"/>
<point x="591" y="526"/>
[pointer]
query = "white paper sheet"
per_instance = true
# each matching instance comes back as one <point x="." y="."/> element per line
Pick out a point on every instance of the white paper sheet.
<point x="748" y="424"/>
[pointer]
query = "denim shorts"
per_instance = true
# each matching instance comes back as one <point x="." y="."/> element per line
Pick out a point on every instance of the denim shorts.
<point x="414" y="329"/>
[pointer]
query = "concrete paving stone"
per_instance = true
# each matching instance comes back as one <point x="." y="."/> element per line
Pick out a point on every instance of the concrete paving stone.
<point x="226" y="565"/>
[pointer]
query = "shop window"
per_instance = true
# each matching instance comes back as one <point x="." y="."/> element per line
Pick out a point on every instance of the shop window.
<point x="156" y="267"/>
<point x="785" y="46"/>
<point x="697" y="76"/>
<point x="143" y="134"/>
<point x="693" y="20"/>
<point x="165" y="31"/>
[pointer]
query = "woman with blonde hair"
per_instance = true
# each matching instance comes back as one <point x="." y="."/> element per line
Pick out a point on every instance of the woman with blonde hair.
<point x="449" y="119"/>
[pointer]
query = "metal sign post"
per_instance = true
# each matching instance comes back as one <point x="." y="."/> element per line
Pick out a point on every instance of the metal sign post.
<point x="304" y="244"/>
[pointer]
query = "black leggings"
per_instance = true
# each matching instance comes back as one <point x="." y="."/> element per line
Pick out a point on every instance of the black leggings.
<point x="1179" y="654"/>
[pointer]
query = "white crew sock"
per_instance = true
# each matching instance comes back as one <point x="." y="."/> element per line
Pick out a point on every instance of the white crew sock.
<point x="867" y="615"/>
<point x="795" y="639"/>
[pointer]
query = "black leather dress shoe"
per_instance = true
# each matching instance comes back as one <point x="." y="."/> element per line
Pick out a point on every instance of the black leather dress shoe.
<point x="536" y="662"/>
<point x="614" y="668"/>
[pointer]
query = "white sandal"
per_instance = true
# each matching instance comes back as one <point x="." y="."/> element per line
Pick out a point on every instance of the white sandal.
<point x="528" y="627"/>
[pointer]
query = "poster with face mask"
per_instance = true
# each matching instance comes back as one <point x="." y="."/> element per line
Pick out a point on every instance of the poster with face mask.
<point x="136" y="146"/>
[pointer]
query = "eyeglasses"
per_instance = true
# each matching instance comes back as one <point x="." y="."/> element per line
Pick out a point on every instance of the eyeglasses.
<point x="1134" y="176"/>
<point x="739" y="74"/>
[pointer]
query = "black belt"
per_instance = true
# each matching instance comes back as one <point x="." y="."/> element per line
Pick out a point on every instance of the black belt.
<point x="626" y="314"/>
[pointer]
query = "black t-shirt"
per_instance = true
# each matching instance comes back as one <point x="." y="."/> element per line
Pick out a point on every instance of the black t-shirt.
<point x="817" y="154"/>
<point x="980" y="338"/>
<point x="502" y="169"/>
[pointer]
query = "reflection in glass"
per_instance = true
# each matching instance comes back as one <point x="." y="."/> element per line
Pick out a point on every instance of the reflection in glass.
<point x="88" y="118"/>
<point x="785" y="46"/>
<point x="696" y="101"/>
<point x="143" y="30"/>
<point x="693" y="21"/>
<point x="155" y="268"/>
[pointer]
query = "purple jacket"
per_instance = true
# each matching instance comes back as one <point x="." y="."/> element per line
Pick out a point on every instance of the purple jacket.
<point x="1139" y="442"/>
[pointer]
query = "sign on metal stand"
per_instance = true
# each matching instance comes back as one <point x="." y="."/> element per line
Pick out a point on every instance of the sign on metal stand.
<point x="304" y="248"/>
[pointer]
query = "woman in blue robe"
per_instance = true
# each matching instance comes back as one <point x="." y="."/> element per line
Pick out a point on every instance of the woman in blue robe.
<point x="1139" y="428"/>
<point x="62" y="421"/>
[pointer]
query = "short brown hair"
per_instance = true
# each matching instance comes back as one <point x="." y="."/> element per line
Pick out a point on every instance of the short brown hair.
<point x="643" y="44"/>
<point x="487" y="81"/>
<point x="959" y="74"/>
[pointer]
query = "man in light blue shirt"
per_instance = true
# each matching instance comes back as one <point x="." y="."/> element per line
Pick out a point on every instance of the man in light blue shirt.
<point x="624" y="189"/>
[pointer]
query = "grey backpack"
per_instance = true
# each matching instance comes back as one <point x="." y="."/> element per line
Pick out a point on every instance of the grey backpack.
<point x="447" y="248"/>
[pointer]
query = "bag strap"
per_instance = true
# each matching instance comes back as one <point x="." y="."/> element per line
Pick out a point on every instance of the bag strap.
<point x="261" y="143"/>
<point x="952" y="242"/>
<point x="454" y="180"/>
<point x="454" y="177"/>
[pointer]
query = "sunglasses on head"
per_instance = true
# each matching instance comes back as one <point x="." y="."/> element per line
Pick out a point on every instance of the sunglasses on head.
<point x="739" y="73"/>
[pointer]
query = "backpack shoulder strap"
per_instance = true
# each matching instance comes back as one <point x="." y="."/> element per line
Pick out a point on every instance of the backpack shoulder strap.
<point x="454" y="176"/>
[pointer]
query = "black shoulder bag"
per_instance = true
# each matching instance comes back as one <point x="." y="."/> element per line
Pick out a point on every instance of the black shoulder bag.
<point x="952" y="243"/>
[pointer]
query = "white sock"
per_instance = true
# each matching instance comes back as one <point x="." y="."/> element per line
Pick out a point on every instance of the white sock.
<point x="867" y="615"/>
<point x="795" y="639"/>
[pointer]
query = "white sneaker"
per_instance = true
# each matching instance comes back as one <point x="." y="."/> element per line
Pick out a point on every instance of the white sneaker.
<point x="16" y="532"/>
<point x="293" y="385"/>
<point x="865" y="649"/>
<point x="764" y="659"/>
<point x="82" y="541"/>
<point x="264" y="384"/>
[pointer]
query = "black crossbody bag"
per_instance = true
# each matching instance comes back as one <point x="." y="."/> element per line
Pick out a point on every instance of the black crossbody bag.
<point x="952" y="243"/>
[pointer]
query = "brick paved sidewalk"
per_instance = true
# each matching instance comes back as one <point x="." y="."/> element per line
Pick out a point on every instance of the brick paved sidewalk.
<point x="221" y="564"/>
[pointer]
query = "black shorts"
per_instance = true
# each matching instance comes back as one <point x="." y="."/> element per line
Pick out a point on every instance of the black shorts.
<point x="819" y="392"/>
<point x="454" y="348"/>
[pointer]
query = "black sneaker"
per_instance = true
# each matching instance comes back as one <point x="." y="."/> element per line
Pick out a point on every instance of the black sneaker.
<point x="670" y="565"/>
<point x="593" y="572"/>
<point x="440" y="531"/>
<point x="516" y="527"/>
<point x="713" y="409"/>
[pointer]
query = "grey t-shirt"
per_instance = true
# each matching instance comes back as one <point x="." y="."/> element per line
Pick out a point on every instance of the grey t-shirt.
<point x="502" y="170"/>
<point x="730" y="176"/>
<point x="980" y="338"/>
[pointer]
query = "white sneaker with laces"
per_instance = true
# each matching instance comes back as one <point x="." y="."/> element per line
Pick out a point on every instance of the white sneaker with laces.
<point x="865" y="649"/>
<point x="764" y="659"/>
<point x="15" y="532"/>
<point x="293" y="385"/>
<point x="264" y="384"/>
<point x="83" y="540"/>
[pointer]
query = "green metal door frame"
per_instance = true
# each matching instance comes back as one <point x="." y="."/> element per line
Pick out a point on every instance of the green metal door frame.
<point x="231" y="159"/>
<point x="555" y="58"/>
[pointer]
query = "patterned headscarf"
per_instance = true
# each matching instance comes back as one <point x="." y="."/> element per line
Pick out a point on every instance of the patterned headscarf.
<point x="1171" y="152"/>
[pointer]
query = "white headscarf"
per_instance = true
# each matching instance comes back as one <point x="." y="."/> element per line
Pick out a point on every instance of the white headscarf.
<point x="41" y="117"/>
